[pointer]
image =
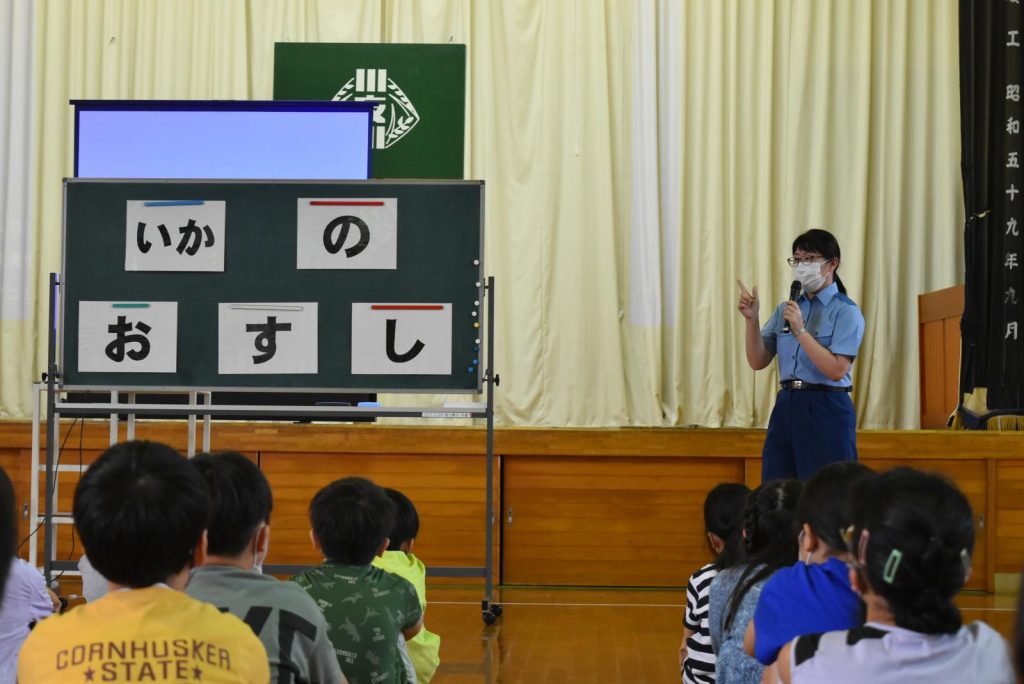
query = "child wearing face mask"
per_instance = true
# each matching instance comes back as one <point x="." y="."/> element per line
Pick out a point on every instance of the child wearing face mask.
<point x="814" y="595"/>
<point x="816" y="336"/>
<point x="910" y="551"/>
<point x="287" y="621"/>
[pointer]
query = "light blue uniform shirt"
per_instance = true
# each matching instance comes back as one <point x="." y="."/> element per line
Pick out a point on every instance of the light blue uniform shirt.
<point x="833" y="319"/>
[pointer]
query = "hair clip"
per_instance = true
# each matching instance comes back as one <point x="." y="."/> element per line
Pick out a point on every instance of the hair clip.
<point x="965" y="558"/>
<point x="892" y="565"/>
<point x="846" y="534"/>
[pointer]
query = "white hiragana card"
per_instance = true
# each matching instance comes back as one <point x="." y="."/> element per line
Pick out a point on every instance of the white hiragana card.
<point x="127" y="337"/>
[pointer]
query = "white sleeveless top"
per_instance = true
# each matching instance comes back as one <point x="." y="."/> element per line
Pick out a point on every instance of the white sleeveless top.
<point x="885" y="654"/>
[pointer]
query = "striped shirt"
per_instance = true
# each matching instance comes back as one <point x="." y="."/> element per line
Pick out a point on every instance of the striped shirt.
<point x="699" y="666"/>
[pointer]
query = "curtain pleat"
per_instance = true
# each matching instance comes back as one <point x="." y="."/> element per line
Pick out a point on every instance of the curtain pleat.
<point x="640" y="155"/>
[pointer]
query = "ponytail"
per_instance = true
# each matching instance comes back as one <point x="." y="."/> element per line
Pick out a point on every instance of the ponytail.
<point x="839" y="281"/>
<point x="770" y="542"/>
<point x="918" y="551"/>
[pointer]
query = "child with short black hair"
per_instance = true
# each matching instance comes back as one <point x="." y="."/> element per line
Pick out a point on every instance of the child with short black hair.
<point x="814" y="595"/>
<point x="723" y="515"/>
<point x="424" y="649"/>
<point x="366" y="608"/>
<point x="910" y="553"/>
<point x="141" y="513"/>
<point x="281" y="614"/>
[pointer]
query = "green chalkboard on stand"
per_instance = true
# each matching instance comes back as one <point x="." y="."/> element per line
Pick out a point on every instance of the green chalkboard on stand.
<point x="270" y="243"/>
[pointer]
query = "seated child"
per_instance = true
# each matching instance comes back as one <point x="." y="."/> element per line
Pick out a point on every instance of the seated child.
<point x="286" y="620"/>
<point x="815" y="594"/>
<point x="910" y="546"/>
<point x="367" y="609"/>
<point x="425" y="647"/>
<point x="723" y="515"/>
<point x="25" y="597"/>
<point x="141" y="513"/>
<point x="769" y="543"/>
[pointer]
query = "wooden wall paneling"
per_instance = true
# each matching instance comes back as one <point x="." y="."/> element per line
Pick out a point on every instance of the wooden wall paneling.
<point x="447" y="490"/>
<point x="991" y="520"/>
<point x="442" y="469"/>
<point x="1009" y="523"/>
<point x="612" y="522"/>
<point x="752" y="472"/>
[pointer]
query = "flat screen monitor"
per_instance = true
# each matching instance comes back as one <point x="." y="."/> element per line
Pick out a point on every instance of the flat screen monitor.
<point x="222" y="139"/>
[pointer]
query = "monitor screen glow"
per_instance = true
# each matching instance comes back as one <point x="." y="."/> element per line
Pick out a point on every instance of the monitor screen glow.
<point x="222" y="143"/>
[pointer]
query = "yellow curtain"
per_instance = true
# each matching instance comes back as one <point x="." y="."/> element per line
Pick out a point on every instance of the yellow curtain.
<point x="17" y="239"/>
<point x="770" y="118"/>
<point x="639" y="156"/>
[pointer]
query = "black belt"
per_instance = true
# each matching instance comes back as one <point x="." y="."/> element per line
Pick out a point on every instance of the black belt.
<point x="801" y="385"/>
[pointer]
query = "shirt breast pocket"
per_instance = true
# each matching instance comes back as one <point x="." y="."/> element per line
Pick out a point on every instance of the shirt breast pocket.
<point x="824" y="333"/>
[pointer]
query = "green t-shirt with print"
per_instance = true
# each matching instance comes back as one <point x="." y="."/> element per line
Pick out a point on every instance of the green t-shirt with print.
<point x="366" y="610"/>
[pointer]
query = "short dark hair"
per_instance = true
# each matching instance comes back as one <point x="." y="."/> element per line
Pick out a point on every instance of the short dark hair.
<point x="407" y="520"/>
<point x="240" y="500"/>
<point x="140" y="511"/>
<point x="351" y="518"/>
<point x="825" y="501"/>
<point x="920" y="540"/>
<point x="723" y="516"/>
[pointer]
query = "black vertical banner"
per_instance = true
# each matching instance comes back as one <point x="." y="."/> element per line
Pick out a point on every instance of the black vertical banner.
<point x="992" y="141"/>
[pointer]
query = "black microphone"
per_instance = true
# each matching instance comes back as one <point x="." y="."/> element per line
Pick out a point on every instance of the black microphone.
<point x="794" y="292"/>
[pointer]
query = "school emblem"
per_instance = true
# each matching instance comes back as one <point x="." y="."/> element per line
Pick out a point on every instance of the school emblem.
<point x="393" y="117"/>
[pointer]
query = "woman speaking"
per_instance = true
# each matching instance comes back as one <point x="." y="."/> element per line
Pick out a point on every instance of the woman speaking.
<point x="816" y="335"/>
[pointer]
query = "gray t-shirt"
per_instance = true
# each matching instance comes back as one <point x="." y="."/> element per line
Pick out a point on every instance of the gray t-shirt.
<point x="282" y="615"/>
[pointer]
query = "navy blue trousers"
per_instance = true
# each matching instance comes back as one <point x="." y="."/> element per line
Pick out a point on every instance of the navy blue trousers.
<point x="808" y="430"/>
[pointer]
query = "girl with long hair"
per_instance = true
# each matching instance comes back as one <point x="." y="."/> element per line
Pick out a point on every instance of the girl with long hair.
<point x="769" y="543"/>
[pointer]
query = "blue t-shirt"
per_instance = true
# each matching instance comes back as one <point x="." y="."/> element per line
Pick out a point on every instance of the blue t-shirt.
<point x="804" y="599"/>
<point x="834" y="321"/>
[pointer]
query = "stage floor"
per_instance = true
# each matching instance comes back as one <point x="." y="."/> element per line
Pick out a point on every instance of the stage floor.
<point x="568" y="635"/>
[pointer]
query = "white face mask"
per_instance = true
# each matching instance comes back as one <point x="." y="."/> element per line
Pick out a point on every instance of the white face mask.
<point x="800" y="544"/>
<point x="810" y="276"/>
<point x="257" y="558"/>
<point x="257" y="563"/>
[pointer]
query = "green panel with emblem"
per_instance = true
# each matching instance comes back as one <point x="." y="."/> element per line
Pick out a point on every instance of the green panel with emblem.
<point x="419" y="126"/>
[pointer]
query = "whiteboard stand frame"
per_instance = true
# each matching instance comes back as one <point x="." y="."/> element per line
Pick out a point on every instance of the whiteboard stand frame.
<point x="200" y="404"/>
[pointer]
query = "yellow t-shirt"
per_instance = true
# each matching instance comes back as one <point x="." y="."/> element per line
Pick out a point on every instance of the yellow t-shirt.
<point x="425" y="647"/>
<point x="154" y="634"/>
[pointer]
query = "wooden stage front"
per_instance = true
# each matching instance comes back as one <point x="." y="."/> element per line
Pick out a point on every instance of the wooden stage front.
<point x="577" y="507"/>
